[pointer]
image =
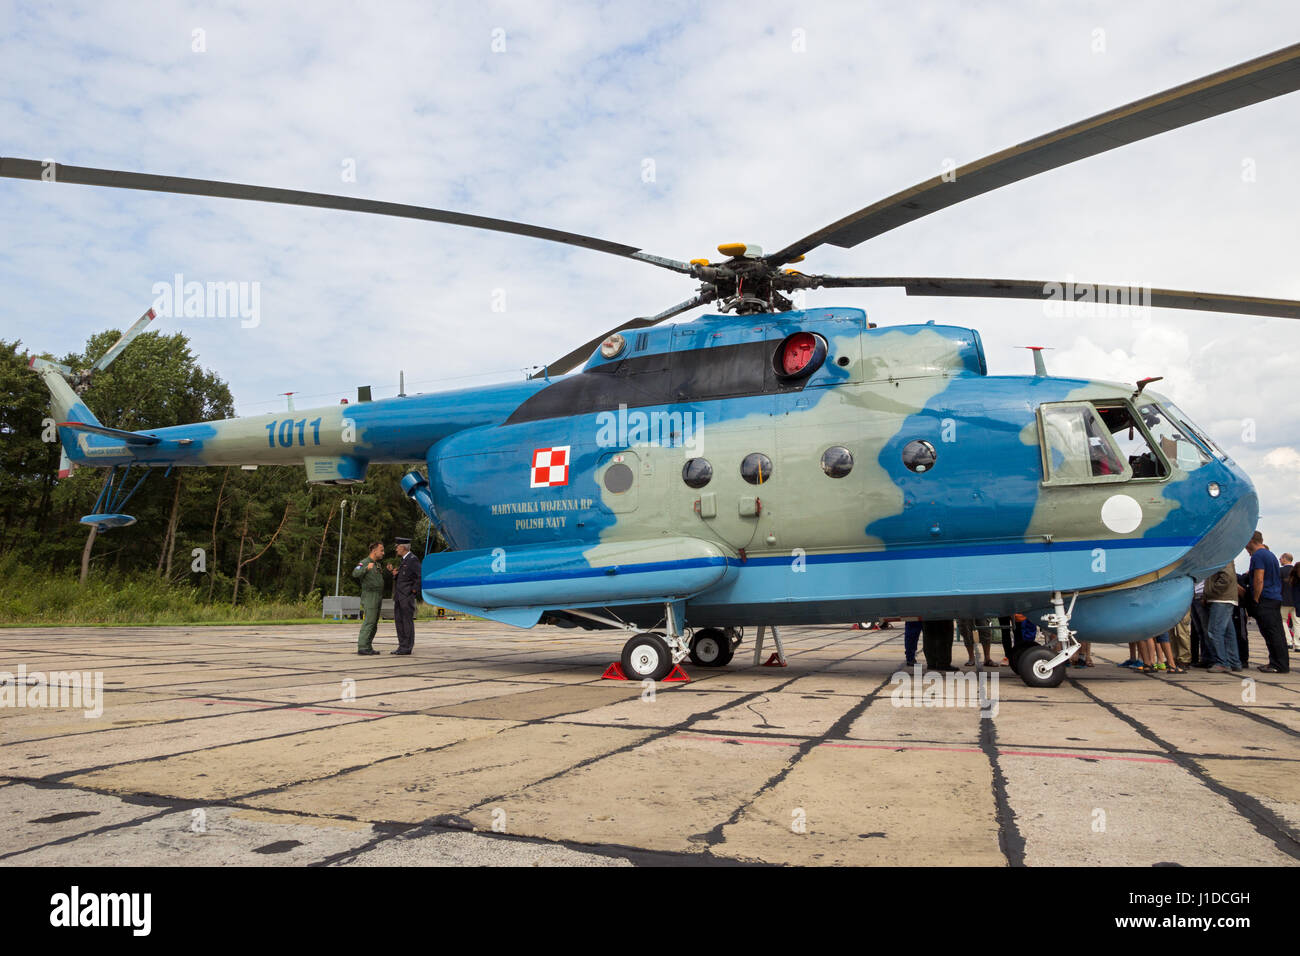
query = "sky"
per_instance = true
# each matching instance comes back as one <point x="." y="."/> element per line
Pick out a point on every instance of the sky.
<point x="671" y="127"/>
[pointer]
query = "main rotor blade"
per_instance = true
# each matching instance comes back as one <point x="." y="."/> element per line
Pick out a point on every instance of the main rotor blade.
<point x="1250" y="82"/>
<point x="1073" y="291"/>
<point x="87" y="176"/>
<point x="570" y="361"/>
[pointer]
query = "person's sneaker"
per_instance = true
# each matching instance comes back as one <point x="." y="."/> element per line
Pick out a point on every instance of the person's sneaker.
<point x="1218" y="669"/>
<point x="1131" y="662"/>
<point x="1161" y="667"/>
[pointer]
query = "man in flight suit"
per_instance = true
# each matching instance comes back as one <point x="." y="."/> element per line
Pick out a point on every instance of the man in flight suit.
<point x="371" y="575"/>
<point x="406" y="592"/>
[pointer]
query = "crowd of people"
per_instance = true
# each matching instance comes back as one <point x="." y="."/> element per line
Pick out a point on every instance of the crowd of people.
<point x="1211" y="635"/>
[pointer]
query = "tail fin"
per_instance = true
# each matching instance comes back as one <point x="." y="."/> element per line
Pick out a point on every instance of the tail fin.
<point x="65" y="404"/>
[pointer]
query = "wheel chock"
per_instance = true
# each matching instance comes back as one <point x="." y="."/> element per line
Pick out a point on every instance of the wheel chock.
<point x="614" y="672"/>
<point x="776" y="660"/>
<point x="677" y="676"/>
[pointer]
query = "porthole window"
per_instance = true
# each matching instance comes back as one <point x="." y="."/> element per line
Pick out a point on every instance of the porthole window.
<point x="756" y="468"/>
<point x="919" y="456"/>
<point x="618" y="478"/>
<point x="837" y="461"/>
<point x="697" y="472"/>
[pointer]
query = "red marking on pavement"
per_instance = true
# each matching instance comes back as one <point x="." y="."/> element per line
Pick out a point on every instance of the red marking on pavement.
<point x="266" y="706"/>
<point x="955" y="750"/>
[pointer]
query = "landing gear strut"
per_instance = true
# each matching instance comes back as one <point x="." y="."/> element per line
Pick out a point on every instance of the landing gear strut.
<point x="1045" y="666"/>
<point x="647" y="655"/>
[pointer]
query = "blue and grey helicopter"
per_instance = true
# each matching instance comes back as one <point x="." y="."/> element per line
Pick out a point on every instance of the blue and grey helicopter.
<point x="767" y="465"/>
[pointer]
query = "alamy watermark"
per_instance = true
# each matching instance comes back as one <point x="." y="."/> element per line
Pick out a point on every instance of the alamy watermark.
<point x="937" y="689"/>
<point x="1085" y="301"/>
<point x="624" y="429"/>
<point x="82" y="689"/>
<point x="209" y="300"/>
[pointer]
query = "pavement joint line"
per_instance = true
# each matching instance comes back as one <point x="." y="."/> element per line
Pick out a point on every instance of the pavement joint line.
<point x="106" y="828"/>
<point x="1266" y="822"/>
<point x="272" y="705"/>
<point x="658" y="734"/>
<point x="65" y="774"/>
<point x="848" y="745"/>
<point x="343" y="771"/>
<point x="1234" y="709"/>
<point x="713" y="837"/>
<point x="262" y="705"/>
<point x="1010" y="840"/>
<point x="269" y="706"/>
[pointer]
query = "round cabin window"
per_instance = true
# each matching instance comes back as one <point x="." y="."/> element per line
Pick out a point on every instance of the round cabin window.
<point x="919" y="456"/>
<point x="756" y="468"/>
<point x="697" y="472"/>
<point x="837" y="461"/>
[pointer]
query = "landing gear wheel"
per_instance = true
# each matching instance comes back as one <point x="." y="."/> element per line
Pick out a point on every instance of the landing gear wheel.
<point x="711" y="647"/>
<point x="646" y="657"/>
<point x="1031" y="666"/>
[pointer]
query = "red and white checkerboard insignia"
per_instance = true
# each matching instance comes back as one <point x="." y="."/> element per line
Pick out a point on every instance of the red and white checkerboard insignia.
<point x="550" y="467"/>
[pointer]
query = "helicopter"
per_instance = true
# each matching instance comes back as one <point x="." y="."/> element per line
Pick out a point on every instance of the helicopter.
<point x="769" y="465"/>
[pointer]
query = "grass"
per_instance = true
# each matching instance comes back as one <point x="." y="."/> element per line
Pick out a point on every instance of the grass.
<point x="29" y="598"/>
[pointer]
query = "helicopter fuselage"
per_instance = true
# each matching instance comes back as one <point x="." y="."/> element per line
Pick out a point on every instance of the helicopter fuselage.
<point x="795" y="468"/>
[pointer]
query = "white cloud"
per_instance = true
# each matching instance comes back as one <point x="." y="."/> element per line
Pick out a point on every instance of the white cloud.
<point x="751" y="141"/>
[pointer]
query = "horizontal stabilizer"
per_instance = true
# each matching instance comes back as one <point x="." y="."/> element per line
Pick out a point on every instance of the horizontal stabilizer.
<point x="131" y="438"/>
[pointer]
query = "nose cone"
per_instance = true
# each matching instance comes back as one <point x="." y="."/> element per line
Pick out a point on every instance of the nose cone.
<point x="1238" y="516"/>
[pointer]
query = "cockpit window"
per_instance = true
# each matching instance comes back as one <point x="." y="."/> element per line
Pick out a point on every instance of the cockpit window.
<point x="1170" y="435"/>
<point x="1132" y="440"/>
<point x="1078" y="445"/>
<point x="1181" y="417"/>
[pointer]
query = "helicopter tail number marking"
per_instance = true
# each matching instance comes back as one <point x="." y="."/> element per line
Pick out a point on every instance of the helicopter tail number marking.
<point x="550" y="467"/>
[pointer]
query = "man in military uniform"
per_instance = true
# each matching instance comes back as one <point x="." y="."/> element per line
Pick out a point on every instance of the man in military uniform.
<point x="371" y="575"/>
<point x="406" y="593"/>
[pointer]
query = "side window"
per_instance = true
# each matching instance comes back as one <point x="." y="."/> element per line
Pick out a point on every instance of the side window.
<point x="1132" y="440"/>
<point x="1077" y="446"/>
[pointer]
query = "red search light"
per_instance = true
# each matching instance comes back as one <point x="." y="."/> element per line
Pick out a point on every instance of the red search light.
<point x="797" y="352"/>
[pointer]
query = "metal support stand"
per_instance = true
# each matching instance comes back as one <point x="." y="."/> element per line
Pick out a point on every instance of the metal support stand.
<point x="777" y="659"/>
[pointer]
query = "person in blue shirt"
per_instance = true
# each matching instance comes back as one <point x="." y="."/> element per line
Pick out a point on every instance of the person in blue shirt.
<point x="1265" y="577"/>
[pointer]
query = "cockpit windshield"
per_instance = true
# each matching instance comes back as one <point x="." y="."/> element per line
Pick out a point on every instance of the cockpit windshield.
<point x="1181" y="417"/>
<point x="1172" y="436"/>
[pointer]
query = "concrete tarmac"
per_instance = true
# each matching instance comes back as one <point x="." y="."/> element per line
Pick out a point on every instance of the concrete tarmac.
<point x="490" y="745"/>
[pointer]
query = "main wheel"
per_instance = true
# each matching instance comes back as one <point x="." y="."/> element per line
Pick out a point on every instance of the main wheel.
<point x="646" y="656"/>
<point x="1033" y="670"/>
<point x="711" y="647"/>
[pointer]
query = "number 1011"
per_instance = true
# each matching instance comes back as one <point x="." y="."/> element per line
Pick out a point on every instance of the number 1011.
<point x="285" y="431"/>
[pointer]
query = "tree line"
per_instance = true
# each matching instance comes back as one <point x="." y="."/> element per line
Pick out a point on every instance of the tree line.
<point x="225" y="532"/>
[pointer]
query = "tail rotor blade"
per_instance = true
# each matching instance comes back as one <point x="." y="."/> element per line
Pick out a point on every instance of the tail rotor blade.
<point x="136" y="328"/>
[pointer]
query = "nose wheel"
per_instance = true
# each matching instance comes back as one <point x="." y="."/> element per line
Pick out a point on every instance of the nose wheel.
<point x="1038" y="667"/>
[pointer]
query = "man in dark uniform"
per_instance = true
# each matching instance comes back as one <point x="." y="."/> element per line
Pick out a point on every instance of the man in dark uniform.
<point x="371" y="575"/>
<point x="406" y="592"/>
